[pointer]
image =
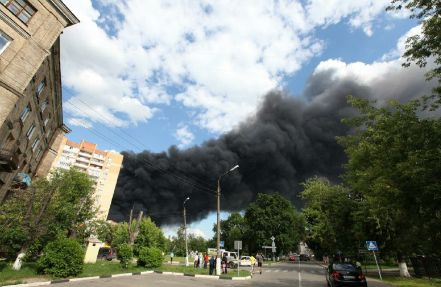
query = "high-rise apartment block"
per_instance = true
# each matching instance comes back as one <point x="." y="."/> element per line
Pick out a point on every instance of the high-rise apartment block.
<point x="102" y="166"/>
<point x="31" y="118"/>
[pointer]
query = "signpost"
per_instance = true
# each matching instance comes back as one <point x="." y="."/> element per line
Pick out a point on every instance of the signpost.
<point x="273" y="247"/>
<point x="238" y="246"/>
<point x="372" y="246"/>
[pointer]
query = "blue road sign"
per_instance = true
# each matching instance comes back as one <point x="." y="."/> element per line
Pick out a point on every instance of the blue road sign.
<point x="221" y="243"/>
<point x="372" y="245"/>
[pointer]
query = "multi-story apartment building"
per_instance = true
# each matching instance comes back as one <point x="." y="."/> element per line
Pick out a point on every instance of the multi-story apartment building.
<point x="31" y="118"/>
<point x="102" y="166"/>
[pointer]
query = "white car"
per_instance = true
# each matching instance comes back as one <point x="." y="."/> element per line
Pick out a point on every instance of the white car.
<point x="245" y="261"/>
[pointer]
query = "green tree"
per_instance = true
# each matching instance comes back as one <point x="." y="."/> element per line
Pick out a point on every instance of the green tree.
<point x="120" y="234"/>
<point x="62" y="258"/>
<point x="331" y="214"/>
<point x="53" y="206"/>
<point x="197" y="243"/>
<point x="149" y="235"/>
<point x="422" y="48"/>
<point x="233" y="228"/>
<point x="177" y="243"/>
<point x="394" y="162"/>
<point x="273" y="215"/>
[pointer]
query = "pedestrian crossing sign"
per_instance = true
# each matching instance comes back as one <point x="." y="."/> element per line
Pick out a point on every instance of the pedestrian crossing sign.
<point x="372" y="245"/>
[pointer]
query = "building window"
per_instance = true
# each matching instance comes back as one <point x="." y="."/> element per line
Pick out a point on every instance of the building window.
<point x="41" y="86"/>
<point x="35" y="144"/>
<point x="4" y="41"/>
<point x="30" y="131"/>
<point x="20" y="8"/>
<point x="25" y="113"/>
<point x="37" y="157"/>
<point x="44" y="105"/>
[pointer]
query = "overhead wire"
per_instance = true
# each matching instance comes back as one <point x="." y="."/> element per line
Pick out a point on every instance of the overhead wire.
<point x="140" y="146"/>
<point x="183" y="179"/>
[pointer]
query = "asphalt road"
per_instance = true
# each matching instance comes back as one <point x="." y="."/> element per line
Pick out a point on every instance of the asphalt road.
<point x="279" y="275"/>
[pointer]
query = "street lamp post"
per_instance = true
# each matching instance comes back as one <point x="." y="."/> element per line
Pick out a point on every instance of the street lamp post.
<point x="185" y="232"/>
<point x="218" y="260"/>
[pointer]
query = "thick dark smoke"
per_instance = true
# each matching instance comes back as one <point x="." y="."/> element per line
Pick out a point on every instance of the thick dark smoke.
<point x="286" y="142"/>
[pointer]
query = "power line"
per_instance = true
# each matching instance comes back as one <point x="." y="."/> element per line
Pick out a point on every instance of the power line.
<point x="102" y="117"/>
<point x="182" y="179"/>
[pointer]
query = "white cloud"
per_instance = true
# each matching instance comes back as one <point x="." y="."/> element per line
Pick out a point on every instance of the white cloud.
<point x="222" y="57"/>
<point x="198" y="232"/>
<point x="385" y="79"/>
<point x="184" y="136"/>
<point x="399" y="50"/>
<point x="171" y="231"/>
<point x="79" y="122"/>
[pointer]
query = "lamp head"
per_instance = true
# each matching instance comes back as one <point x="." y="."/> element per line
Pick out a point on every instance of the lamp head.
<point x="234" y="167"/>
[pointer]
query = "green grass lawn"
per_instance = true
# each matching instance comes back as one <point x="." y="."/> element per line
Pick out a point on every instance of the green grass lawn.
<point x="179" y="259"/>
<point x="412" y="282"/>
<point x="28" y="272"/>
<point x="192" y="270"/>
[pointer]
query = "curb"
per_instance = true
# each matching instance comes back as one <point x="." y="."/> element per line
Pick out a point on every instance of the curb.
<point x="57" y="281"/>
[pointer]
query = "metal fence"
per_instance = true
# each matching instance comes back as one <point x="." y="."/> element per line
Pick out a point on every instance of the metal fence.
<point x="426" y="266"/>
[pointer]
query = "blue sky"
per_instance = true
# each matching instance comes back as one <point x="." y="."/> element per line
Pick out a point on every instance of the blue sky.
<point x="150" y="74"/>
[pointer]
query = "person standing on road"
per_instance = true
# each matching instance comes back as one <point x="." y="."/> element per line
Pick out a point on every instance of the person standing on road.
<point x="224" y="263"/>
<point x="196" y="258"/>
<point x="259" y="262"/>
<point x="252" y="263"/>
<point x="205" y="260"/>
<point x="171" y="257"/>
<point x="200" y="260"/>
<point x="212" y="264"/>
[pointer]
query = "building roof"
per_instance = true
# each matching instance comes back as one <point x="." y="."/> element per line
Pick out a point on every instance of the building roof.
<point x="72" y="144"/>
<point x="65" y="11"/>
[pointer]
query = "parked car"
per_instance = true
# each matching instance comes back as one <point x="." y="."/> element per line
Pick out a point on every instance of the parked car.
<point x="106" y="253"/>
<point x="233" y="261"/>
<point x="291" y="258"/>
<point x="245" y="261"/>
<point x="304" y="257"/>
<point x="345" y="274"/>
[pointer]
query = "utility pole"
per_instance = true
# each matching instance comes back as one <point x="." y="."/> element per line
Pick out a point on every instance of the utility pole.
<point x="218" y="260"/>
<point x="185" y="232"/>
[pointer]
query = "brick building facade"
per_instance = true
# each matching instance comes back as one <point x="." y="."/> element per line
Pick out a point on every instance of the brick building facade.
<point x="31" y="117"/>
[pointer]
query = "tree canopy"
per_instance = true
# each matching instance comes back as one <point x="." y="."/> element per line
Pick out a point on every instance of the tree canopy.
<point x="394" y="163"/>
<point x="423" y="48"/>
<point x="273" y="215"/>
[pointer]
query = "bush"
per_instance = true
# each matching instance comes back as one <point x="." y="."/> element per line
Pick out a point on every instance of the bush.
<point x="150" y="257"/>
<point x="62" y="258"/>
<point x="124" y="253"/>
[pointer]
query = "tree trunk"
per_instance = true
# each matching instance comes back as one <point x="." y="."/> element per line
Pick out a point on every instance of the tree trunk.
<point x="404" y="272"/>
<point x="19" y="260"/>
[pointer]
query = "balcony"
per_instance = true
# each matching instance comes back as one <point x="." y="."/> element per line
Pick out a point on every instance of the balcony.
<point x="85" y="154"/>
<point x="21" y="180"/>
<point x="81" y="165"/>
<point x="8" y="160"/>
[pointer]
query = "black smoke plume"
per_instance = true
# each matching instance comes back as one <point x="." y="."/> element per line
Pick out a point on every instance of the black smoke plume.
<point x="288" y="140"/>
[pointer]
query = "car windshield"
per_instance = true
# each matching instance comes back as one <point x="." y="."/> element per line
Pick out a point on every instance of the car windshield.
<point x="245" y="258"/>
<point x="344" y="266"/>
